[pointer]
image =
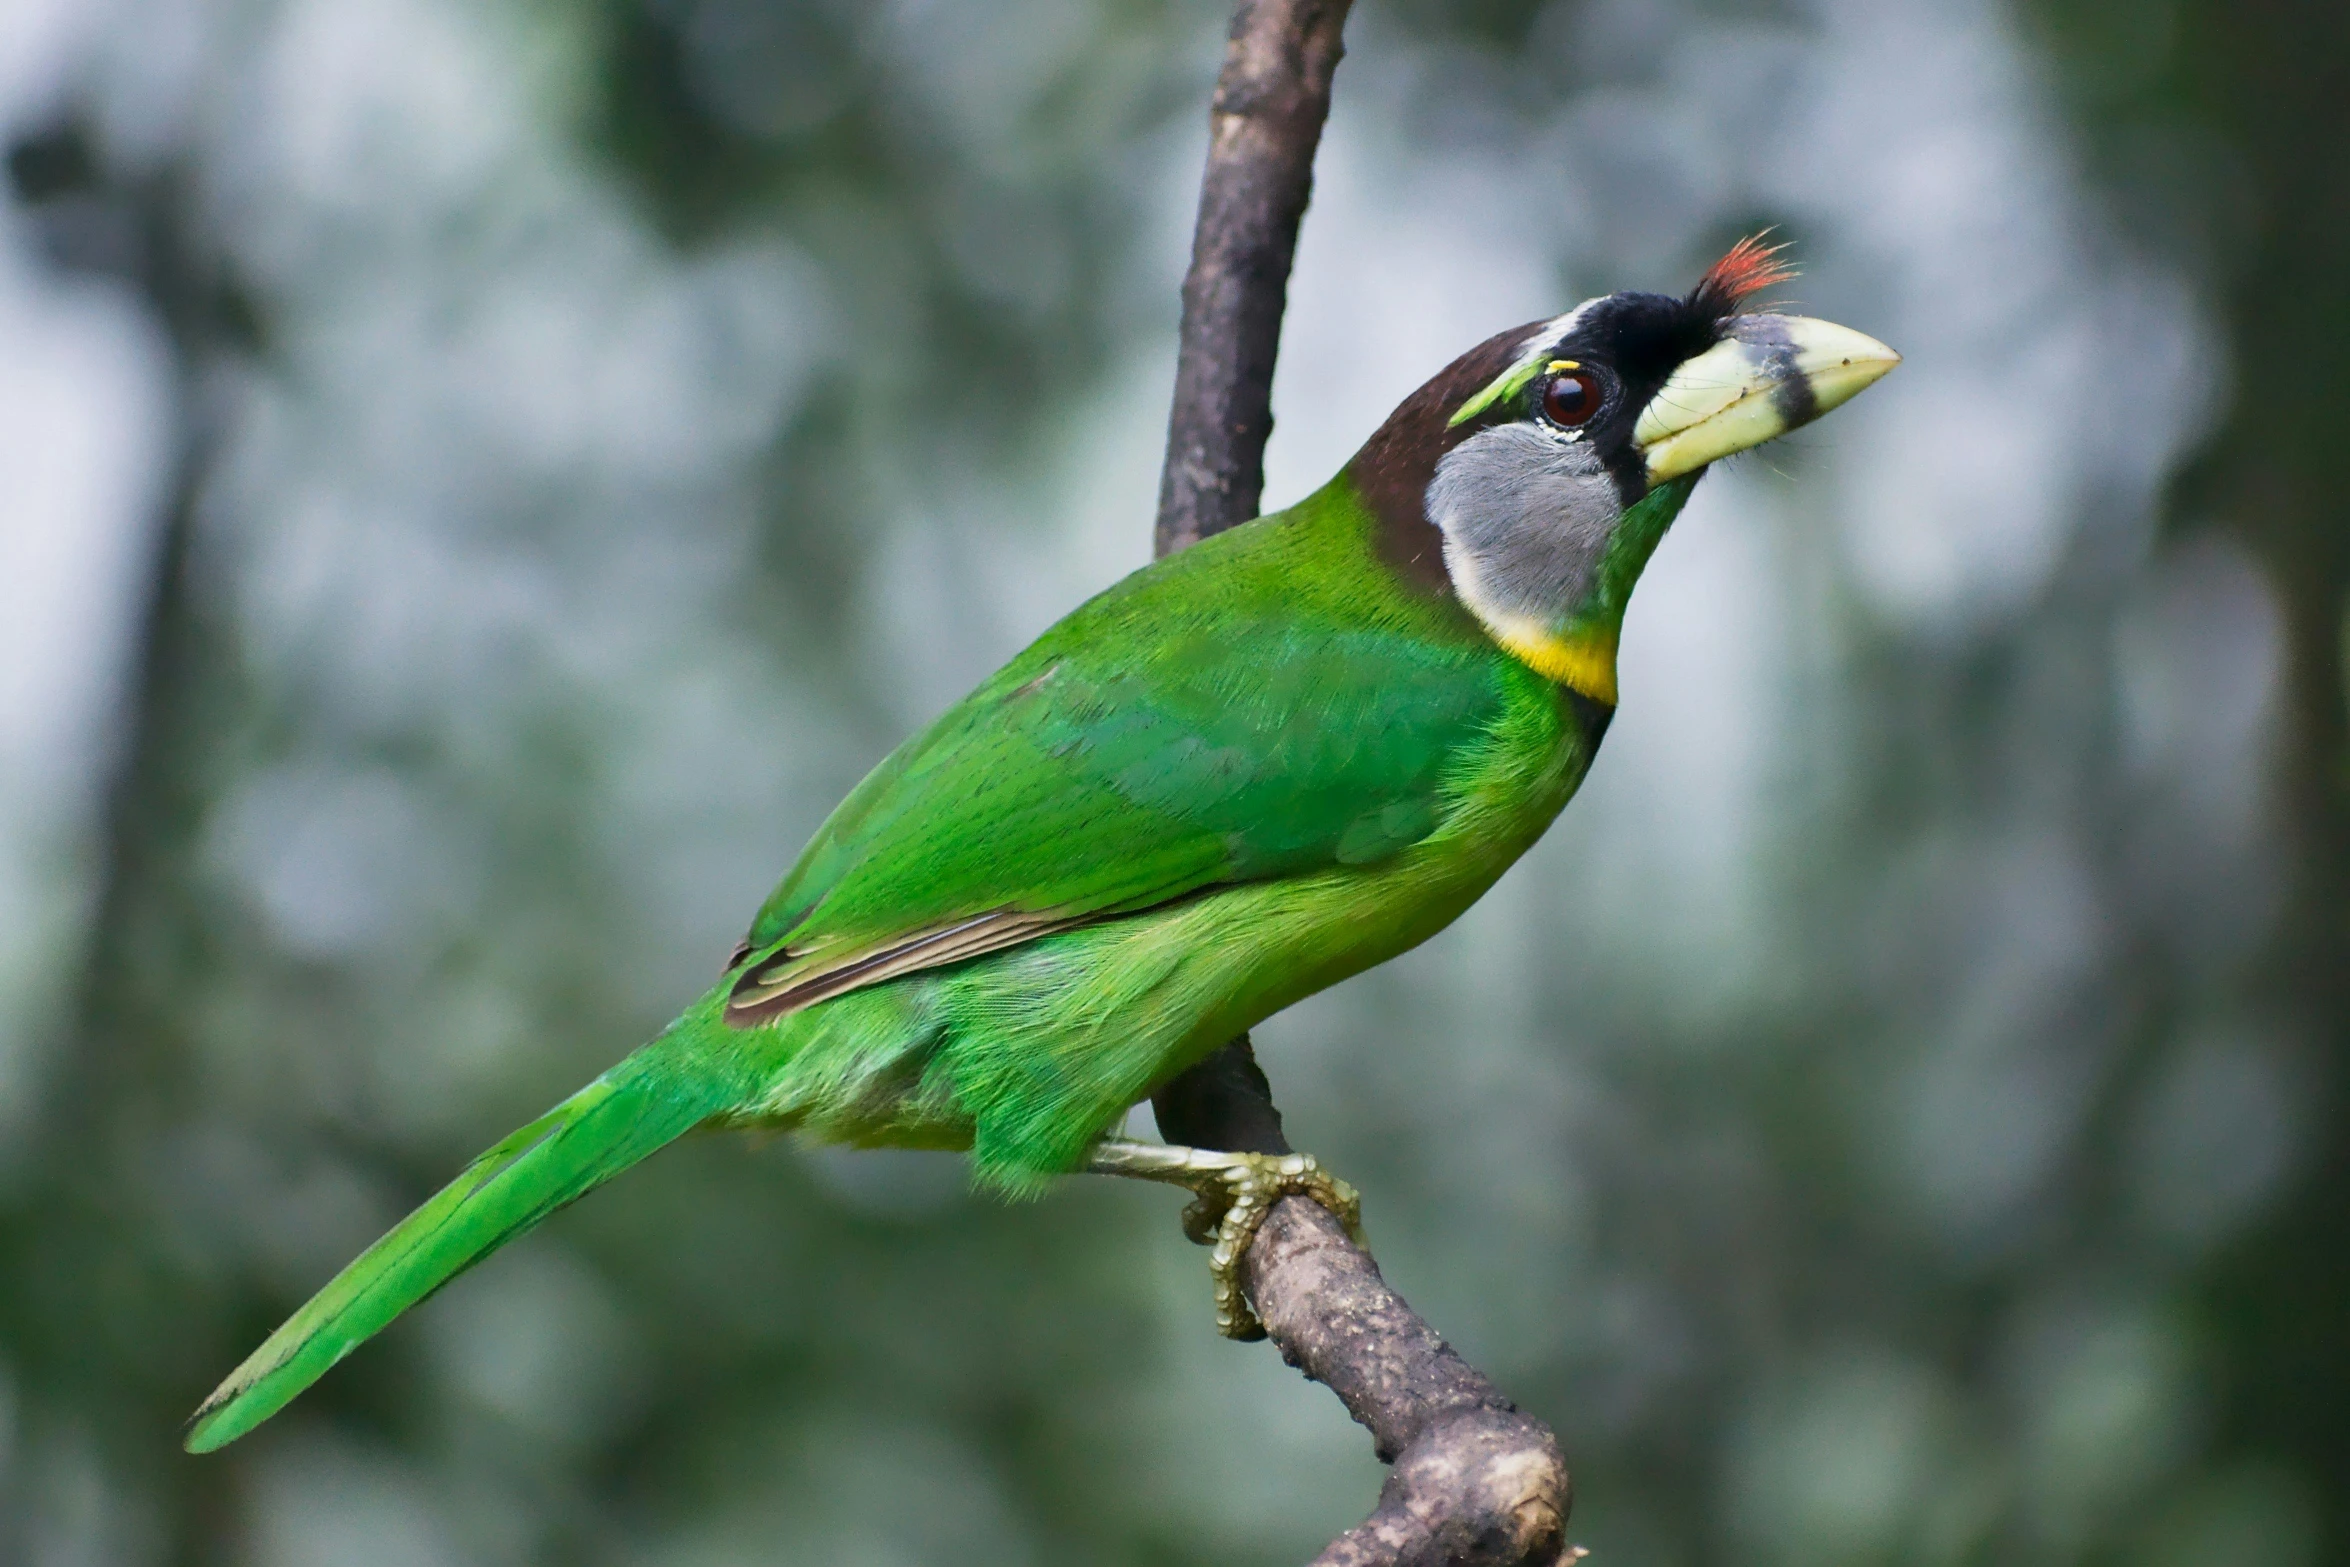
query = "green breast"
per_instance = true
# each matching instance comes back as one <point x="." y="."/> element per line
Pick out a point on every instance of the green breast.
<point x="1269" y="704"/>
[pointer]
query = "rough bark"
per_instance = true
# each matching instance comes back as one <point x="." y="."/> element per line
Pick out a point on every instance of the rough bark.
<point x="1474" y="1480"/>
<point x="1262" y="131"/>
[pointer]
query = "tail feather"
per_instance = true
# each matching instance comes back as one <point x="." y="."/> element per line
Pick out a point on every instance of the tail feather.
<point x="563" y="1155"/>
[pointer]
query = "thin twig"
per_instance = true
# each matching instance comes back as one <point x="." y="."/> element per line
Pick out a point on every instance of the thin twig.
<point x="1266" y="122"/>
<point x="1474" y="1481"/>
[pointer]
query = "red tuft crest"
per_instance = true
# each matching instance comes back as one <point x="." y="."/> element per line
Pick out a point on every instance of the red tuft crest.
<point x="1749" y="268"/>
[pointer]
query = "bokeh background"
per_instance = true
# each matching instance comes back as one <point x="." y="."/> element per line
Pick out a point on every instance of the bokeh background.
<point x="479" y="478"/>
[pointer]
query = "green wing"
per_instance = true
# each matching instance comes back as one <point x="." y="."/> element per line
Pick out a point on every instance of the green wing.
<point x="1251" y="709"/>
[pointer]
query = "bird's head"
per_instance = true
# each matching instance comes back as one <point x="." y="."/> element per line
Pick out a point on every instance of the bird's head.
<point x="1535" y="475"/>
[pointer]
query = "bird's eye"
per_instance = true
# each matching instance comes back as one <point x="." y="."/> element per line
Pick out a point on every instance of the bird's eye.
<point x="1571" y="398"/>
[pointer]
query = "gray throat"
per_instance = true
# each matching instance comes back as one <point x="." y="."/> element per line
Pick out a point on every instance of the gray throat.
<point x="1525" y="513"/>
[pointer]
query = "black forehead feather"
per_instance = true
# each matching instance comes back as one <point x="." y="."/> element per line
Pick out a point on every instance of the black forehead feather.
<point x="1645" y="334"/>
<point x="1643" y="337"/>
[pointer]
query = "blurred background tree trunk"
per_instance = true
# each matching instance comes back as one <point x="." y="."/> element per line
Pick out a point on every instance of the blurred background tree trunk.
<point x="2266" y="85"/>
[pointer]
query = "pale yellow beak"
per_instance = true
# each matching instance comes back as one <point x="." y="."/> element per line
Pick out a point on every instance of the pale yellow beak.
<point x="1770" y="375"/>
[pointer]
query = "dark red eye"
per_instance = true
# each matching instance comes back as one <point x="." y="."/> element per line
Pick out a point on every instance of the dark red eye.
<point x="1571" y="397"/>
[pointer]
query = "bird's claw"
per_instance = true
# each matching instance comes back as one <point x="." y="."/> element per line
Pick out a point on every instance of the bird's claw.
<point x="1231" y="1207"/>
<point x="1233" y="1192"/>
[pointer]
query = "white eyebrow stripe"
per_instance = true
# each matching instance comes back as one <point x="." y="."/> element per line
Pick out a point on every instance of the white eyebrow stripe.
<point x="1531" y="353"/>
<point x="1554" y="329"/>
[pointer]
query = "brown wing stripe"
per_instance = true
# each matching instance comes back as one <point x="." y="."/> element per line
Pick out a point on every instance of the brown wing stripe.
<point x="764" y="993"/>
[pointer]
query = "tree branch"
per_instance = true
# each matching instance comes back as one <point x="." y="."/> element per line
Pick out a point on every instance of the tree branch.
<point x="1271" y="99"/>
<point x="1474" y="1480"/>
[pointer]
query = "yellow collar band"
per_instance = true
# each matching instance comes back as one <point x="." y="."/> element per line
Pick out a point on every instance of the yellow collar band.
<point x="1582" y="660"/>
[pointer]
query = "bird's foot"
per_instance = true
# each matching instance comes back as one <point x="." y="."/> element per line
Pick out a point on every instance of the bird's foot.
<point x="1232" y="1193"/>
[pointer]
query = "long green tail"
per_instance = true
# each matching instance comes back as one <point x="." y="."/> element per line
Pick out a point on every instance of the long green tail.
<point x="629" y="1112"/>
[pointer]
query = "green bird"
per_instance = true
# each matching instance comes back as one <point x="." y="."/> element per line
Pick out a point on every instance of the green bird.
<point x="1238" y="776"/>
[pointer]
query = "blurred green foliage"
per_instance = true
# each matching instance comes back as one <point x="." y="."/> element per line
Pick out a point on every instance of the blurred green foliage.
<point x="1894" y="1119"/>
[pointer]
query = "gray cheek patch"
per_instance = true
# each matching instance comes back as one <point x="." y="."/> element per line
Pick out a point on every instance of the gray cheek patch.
<point x="1525" y="516"/>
